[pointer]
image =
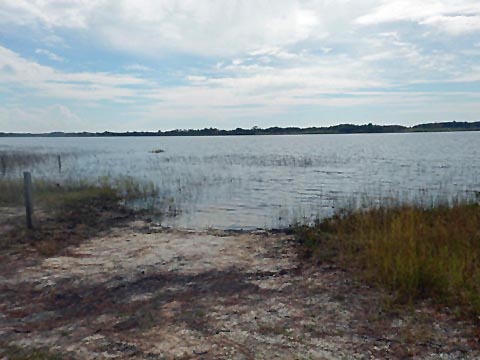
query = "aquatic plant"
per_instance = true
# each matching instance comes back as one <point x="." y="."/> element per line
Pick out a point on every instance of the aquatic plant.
<point x="11" y="160"/>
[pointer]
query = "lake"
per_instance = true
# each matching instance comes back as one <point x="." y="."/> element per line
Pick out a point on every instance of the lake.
<point x="248" y="182"/>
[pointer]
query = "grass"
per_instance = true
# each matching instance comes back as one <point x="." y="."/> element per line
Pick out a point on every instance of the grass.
<point x="66" y="214"/>
<point x="414" y="252"/>
<point x="19" y="353"/>
<point x="49" y="193"/>
<point x="13" y="159"/>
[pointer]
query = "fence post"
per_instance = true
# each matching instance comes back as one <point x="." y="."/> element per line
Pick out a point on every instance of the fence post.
<point x="27" y="182"/>
<point x="4" y="166"/>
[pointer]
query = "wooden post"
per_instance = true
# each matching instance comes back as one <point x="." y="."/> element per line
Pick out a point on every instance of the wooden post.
<point x="59" y="164"/>
<point x="27" y="182"/>
<point x="4" y="166"/>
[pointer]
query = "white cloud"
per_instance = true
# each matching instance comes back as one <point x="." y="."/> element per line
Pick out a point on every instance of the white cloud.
<point x="211" y="27"/>
<point x="52" y="56"/>
<point x="196" y="78"/>
<point x="274" y="51"/>
<point x="39" y="119"/>
<point x="207" y="27"/>
<point x="409" y="62"/>
<point x="53" y="40"/>
<point x="472" y="75"/>
<point x="255" y="89"/>
<point x="64" y="13"/>
<point x="229" y="28"/>
<point x="137" y="67"/>
<point x="238" y="83"/>
<point x="47" y="81"/>
<point x="244" y="87"/>
<point x="451" y="16"/>
<point x="455" y="25"/>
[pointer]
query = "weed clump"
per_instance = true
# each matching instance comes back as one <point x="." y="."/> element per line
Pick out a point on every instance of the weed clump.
<point x="415" y="252"/>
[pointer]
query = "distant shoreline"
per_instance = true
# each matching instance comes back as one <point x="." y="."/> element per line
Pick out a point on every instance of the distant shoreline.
<point x="451" y="126"/>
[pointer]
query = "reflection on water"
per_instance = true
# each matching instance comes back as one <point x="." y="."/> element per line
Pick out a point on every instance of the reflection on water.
<point x="267" y="181"/>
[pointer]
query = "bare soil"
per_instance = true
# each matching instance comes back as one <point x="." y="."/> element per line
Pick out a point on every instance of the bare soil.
<point x="144" y="292"/>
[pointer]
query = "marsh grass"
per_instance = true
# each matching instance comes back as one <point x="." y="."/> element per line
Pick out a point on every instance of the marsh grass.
<point x="63" y="216"/>
<point x="11" y="160"/>
<point x="69" y="212"/>
<point x="48" y="193"/>
<point x="413" y="251"/>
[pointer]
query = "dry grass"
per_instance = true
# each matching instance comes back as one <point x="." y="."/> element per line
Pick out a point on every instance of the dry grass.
<point x="415" y="252"/>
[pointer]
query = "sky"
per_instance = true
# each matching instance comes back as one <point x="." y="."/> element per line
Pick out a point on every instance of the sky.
<point x="123" y="65"/>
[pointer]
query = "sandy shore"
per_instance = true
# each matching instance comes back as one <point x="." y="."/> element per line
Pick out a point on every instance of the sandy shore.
<point x="143" y="292"/>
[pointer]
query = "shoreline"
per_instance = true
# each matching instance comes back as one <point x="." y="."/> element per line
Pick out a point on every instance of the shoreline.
<point x="345" y="129"/>
<point x="141" y="291"/>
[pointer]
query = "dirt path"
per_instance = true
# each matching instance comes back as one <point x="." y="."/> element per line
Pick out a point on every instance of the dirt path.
<point x="147" y="293"/>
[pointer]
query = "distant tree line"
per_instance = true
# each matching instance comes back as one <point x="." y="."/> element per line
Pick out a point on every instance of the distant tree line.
<point x="336" y="129"/>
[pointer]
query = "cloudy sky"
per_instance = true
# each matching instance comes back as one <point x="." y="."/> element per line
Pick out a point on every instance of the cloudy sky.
<point x="94" y="65"/>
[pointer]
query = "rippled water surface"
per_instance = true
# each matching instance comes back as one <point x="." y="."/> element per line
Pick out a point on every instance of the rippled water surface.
<point x="268" y="181"/>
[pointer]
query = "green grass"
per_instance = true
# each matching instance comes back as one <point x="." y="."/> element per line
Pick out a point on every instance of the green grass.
<point x="416" y="253"/>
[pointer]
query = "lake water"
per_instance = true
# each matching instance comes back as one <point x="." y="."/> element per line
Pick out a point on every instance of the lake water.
<point x="245" y="182"/>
